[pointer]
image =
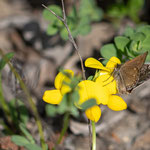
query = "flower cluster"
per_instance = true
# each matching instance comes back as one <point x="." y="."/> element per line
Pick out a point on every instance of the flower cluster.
<point x="102" y="88"/>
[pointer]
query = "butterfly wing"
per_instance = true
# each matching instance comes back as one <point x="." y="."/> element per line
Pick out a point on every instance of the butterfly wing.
<point x="129" y="74"/>
<point x="129" y="77"/>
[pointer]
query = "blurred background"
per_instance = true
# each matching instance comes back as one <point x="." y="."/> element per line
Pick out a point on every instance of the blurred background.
<point x="41" y="47"/>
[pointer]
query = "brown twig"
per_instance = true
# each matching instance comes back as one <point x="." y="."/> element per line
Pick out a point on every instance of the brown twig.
<point x="64" y="20"/>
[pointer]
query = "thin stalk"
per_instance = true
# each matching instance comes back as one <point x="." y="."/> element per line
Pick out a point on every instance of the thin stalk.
<point x="93" y="136"/>
<point x="33" y="106"/>
<point x="65" y="127"/>
<point x="90" y="134"/>
<point x="5" y="107"/>
<point x="64" y="20"/>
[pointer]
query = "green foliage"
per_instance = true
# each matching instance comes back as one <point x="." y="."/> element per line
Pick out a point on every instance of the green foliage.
<point x="69" y="100"/>
<point x="131" y="44"/>
<point x="106" y="49"/>
<point x="19" y="140"/>
<point x="26" y="133"/>
<point x="90" y="77"/>
<point x="26" y="141"/>
<point x="32" y="147"/>
<point x="121" y="9"/>
<point x="79" y="21"/>
<point x="22" y="141"/>
<point x="51" y="110"/>
<point x="21" y="112"/>
<point x="87" y="104"/>
<point x="5" y="59"/>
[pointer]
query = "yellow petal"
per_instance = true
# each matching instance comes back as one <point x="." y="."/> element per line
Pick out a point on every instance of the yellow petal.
<point x="108" y="82"/>
<point x="112" y="63"/>
<point x="65" y="89"/>
<point x="93" y="113"/>
<point x="89" y="89"/>
<point x="93" y="63"/>
<point x="52" y="96"/>
<point x="60" y="78"/>
<point x="116" y="103"/>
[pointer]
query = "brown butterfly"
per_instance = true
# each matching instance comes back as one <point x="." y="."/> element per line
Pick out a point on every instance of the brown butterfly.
<point x="131" y="74"/>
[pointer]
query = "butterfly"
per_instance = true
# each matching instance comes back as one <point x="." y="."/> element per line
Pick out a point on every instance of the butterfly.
<point x="131" y="74"/>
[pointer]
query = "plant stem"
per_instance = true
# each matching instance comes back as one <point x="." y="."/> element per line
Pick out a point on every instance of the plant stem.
<point x="65" y="127"/>
<point x="90" y="134"/>
<point x="3" y="103"/>
<point x="29" y="98"/>
<point x="64" y="20"/>
<point x="93" y="136"/>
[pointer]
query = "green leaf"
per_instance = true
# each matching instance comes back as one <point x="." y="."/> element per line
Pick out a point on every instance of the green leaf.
<point x="97" y="15"/>
<point x="138" y="36"/>
<point x="50" y="110"/>
<point x="32" y="147"/>
<point x="64" y="34"/>
<point x="19" y="140"/>
<point x="62" y="107"/>
<point x="87" y="104"/>
<point x="26" y="133"/>
<point x="121" y="42"/>
<point x="51" y="30"/>
<point x="85" y="30"/>
<point x="90" y="77"/>
<point x="130" y="54"/>
<point x="73" y="13"/>
<point x="146" y="44"/>
<point x="83" y="26"/>
<point x="24" y="115"/>
<point x="49" y="16"/>
<point x="22" y="110"/>
<point x="129" y="31"/>
<point x="117" y="11"/>
<point x="92" y="12"/>
<point x="144" y="29"/>
<point x="74" y="112"/>
<point x="74" y="31"/>
<point x="109" y="50"/>
<point x="85" y="4"/>
<point x="75" y="96"/>
<point x="74" y="82"/>
<point x="134" y="7"/>
<point x="5" y="59"/>
<point x="133" y="46"/>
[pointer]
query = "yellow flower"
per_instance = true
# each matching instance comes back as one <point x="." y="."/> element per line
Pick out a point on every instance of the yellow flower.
<point x="55" y="96"/>
<point x="108" y="82"/>
<point x="111" y="64"/>
<point x="92" y="90"/>
<point x="93" y="113"/>
<point x="87" y="90"/>
<point x="116" y="103"/>
<point x="102" y="89"/>
<point x="104" y="77"/>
